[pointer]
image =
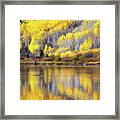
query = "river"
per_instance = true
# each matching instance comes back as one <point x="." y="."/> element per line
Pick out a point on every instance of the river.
<point x="59" y="82"/>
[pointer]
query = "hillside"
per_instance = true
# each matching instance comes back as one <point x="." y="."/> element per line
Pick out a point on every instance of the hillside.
<point x="75" y="41"/>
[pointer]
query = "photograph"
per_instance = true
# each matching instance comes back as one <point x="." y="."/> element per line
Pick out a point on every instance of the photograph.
<point x="59" y="59"/>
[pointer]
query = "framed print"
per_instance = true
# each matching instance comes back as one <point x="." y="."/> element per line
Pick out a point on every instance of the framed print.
<point x="59" y="59"/>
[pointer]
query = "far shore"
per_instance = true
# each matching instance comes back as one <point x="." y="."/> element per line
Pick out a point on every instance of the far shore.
<point x="60" y="63"/>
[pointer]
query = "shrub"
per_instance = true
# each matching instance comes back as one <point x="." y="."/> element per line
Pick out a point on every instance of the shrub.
<point x="57" y="58"/>
<point x="75" y="58"/>
<point x="88" y="55"/>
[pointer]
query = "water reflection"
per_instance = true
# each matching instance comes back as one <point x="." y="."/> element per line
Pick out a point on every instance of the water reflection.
<point x="56" y="83"/>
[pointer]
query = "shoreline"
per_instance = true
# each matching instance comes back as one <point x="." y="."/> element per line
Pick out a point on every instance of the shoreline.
<point x="61" y="63"/>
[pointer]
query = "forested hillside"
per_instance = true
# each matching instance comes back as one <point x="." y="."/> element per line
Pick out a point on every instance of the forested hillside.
<point x="60" y="40"/>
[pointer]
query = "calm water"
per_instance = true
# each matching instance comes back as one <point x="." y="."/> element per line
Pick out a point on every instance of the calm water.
<point x="56" y="83"/>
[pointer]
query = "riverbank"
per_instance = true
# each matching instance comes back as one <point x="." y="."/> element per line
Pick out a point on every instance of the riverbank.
<point x="79" y="58"/>
<point x="62" y="63"/>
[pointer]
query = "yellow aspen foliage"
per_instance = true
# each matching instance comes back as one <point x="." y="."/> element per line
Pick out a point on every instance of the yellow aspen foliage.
<point x="97" y="24"/>
<point x="86" y="45"/>
<point x="69" y="36"/>
<point x="96" y="31"/>
<point x="33" y="47"/>
<point x="46" y="49"/>
<point x="57" y="53"/>
<point x="61" y="39"/>
<point x="78" y="35"/>
<point x="96" y="28"/>
<point x="86" y="32"/>
<point x="29" y="28"/>
<point x="50" y="54"/>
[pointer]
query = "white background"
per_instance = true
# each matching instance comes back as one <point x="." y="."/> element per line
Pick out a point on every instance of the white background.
<point x="15" y="106"/>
